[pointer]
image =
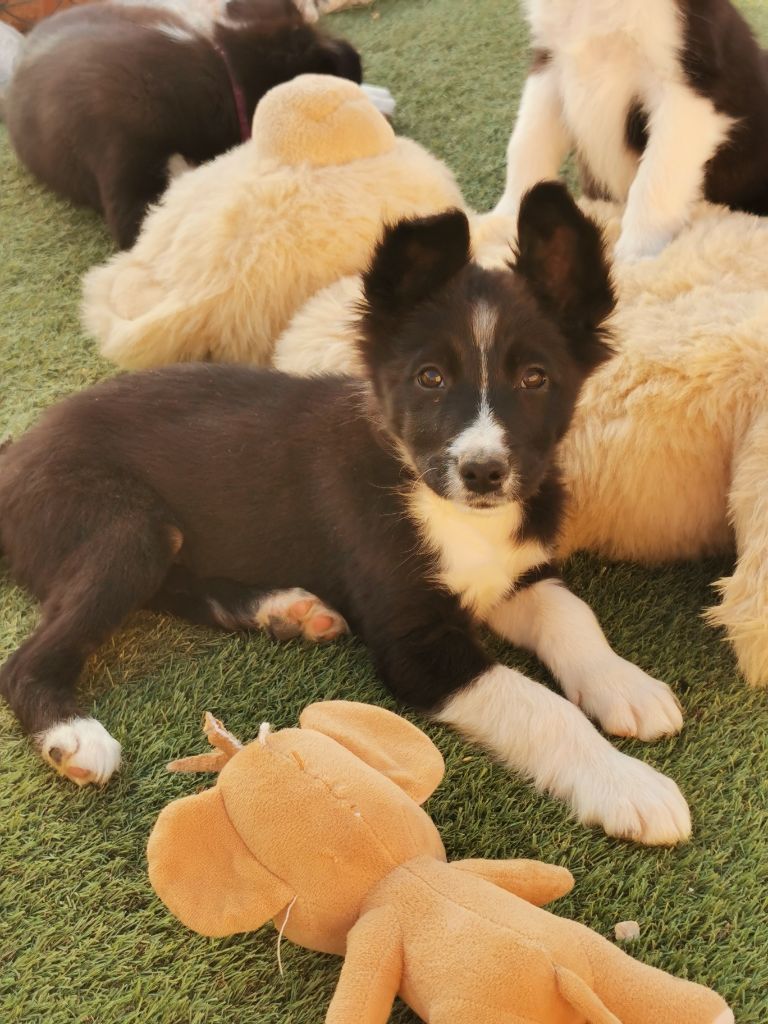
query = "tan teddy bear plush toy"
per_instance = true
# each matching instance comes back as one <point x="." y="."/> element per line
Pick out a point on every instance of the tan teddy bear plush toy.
<point x="237" y="245"/>
<point x="320" y="829"/>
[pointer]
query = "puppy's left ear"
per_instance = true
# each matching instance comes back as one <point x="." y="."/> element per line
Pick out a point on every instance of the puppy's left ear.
<point x="413" y="260"/>
<point x="383" y="740"/>
<point x="561" y="254"/>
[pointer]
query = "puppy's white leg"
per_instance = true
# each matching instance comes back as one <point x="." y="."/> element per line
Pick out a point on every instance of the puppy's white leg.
<point x="539" y="142"/>
<point x="548" y="739"/>
<point x="563" y="632"/>
<point x="684" y="132"/>
<point x="82" y="750"/>
<point x="744" y="607"/>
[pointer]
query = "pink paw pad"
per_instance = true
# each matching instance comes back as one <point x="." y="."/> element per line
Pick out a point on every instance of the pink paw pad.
<point x="292" y="613"/>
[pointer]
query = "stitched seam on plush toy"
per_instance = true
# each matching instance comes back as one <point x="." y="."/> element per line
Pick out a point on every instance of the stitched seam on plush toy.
<point x="472" y="911"/>
<point x="340" y="800"/>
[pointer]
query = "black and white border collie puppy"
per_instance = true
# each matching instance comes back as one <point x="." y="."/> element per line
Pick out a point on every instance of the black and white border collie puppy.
<point x="417" y="506"/>
<point x="664" y="102"/>
<point x="108" y="99"/>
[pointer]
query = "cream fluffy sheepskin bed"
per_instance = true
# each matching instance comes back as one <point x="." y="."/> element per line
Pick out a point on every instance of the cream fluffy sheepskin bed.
<point x="668" y="455"/>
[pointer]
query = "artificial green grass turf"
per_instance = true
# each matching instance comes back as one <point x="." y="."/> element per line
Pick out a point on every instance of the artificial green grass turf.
<point x="82" y="937"/>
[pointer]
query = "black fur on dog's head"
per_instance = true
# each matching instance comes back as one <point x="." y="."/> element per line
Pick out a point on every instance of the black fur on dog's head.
<point x="297" y="47"/>
<point x="476" y="372"/>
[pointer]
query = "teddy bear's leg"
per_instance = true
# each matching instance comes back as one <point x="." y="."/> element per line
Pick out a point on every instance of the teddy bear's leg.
<point x="743" y="611"/>
<point x="372" y="970"/>
<point x="233" y="606"/>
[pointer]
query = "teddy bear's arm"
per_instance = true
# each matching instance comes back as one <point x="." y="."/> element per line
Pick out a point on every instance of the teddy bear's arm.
<point x="531" y="880"/>
<point x="372" y="971"/>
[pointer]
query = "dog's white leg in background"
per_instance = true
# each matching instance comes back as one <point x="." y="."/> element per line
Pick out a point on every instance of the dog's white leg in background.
<point x="381" y="98"/>
<point x="684" y="132"/>
<point x="548" y="739"/>
<point x="563" y="632"/>
<point x="744" y="607"/>
<point x="540" y="140"/>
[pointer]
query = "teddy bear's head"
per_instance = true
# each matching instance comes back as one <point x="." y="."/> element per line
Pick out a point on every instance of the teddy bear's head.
<point x="319" y="120"/>
<point x="300" y="826"/>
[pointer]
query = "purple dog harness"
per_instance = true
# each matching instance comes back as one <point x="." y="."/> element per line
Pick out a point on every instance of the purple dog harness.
<point x="237" y="94"/>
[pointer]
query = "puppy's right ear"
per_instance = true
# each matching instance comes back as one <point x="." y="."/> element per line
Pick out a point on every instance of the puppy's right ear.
<point x="413" y="260"/>
<point x="561" y="254"/>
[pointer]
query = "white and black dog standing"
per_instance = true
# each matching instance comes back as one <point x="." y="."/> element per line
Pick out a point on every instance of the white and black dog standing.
<point x="416" y="505"/>
<point x="663" y="101"/>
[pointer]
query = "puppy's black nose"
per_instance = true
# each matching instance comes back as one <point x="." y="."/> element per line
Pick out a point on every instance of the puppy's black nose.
<point x="484" y="476"/>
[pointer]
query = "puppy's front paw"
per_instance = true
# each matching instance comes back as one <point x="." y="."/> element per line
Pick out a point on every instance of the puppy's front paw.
<point x="82" y="750"/>
<point x="641" y="244"/>
<point x="634" y="801"/>
<point x="628" y="702"/>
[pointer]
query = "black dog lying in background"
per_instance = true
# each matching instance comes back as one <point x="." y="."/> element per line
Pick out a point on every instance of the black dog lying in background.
<point x="416" y="504"/>
<point x="104" y="96"/>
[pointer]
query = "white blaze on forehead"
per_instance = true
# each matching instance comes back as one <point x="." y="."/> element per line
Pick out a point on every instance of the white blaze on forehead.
<point x="484" y="437"/>
<point x="483" y="327"/>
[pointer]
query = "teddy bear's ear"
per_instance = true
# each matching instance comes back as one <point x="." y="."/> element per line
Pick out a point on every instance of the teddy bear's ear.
<point x="383" y="740"/>
<point x="205" y="874"/>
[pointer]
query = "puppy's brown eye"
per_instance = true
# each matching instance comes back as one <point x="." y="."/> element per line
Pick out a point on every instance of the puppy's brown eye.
<point x="430" y="377"/>
<point x="533" y="378"/>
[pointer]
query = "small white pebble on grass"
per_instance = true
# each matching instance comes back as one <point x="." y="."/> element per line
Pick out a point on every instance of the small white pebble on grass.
<point x="627" y="931"/>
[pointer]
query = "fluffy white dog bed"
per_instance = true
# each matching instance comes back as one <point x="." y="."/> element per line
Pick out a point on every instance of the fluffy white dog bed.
<point x="668" y="455"/>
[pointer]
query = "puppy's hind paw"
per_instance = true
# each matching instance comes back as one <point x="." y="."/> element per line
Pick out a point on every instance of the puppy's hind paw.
<point x="81" y="750"/>
<point x="291" y="613"/>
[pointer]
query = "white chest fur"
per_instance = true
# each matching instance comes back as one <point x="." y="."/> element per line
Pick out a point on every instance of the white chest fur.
<point x="608" y="55"/>
<point x="479" y="557"/>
